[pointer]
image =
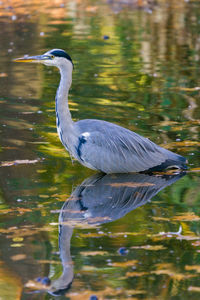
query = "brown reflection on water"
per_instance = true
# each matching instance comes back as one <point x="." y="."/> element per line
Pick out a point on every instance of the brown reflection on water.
<point x="136" y="64"/>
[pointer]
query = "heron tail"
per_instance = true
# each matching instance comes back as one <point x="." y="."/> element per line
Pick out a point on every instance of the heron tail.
<point x="176" y="162"/>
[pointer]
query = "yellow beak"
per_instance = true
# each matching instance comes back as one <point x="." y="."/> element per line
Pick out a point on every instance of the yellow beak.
<point x="34" y="59"/>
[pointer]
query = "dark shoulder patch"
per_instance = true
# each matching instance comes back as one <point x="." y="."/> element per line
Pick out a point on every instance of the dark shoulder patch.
<point x="82" y="140"/>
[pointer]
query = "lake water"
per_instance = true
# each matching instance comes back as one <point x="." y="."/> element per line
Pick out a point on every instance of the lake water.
<point x="64" y="229"/>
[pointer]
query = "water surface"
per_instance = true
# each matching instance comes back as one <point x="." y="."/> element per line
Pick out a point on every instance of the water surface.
<point x="120" y="237"/>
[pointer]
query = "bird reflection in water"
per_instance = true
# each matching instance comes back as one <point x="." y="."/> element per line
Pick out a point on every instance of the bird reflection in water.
<point x="99" y="199"/>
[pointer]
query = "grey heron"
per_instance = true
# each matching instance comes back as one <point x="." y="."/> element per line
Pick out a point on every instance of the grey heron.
<point x="97" y="144"/>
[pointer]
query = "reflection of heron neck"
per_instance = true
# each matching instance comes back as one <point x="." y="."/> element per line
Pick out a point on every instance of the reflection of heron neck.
<point x="65" y="234"/>
<point x="65" y="126"/>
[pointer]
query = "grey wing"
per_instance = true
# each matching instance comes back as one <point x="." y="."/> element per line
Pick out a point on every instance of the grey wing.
<point x="105" y="198"/>
<point x="118" y="150"/>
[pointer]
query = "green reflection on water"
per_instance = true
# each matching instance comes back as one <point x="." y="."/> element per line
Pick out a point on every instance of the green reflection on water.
<point x="144" y="77"/>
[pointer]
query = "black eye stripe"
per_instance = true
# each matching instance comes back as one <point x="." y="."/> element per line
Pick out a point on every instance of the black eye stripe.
<point x="61" y="53"/>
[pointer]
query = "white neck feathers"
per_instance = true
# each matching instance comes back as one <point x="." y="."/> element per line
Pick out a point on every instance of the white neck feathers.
<point x="65" y="126"/>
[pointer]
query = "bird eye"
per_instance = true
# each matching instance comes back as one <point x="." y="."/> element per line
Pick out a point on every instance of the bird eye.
<point x="52" y="56"/>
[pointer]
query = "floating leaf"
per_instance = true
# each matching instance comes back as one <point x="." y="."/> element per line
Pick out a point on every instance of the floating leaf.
<point x="193" y="268"/>
<point x="181" y="144"/>
<point x="77" y="223"/>
<point x="194" y="289"/>
<point x="124" y="264"/>
<point x="93" y="253"/>
<point x="89" y="269"/>
<point x="17" y="245"/>
<point x="150" y="247"/>
<point x="160" y="219"/>
<point x="164" y="266"/>
<point x="27" y="230"/>
<point x="173" y="274"/>
<point x="20" y="210"/>
<point x="18" y="162"/>
<point x="48" y="261"/>
<point x="18" y="239"/>
<point x="44" y="196"/>
<point x="188" y="237"/>
<point x="18" y="257"/>
<point x="3" y="75"/>
<point x="167" y="235"/>
<point x="186" y="89"/>
<point x="108" y="292"/>
<point x="196" y="244"/>
<point x="36" y="285"/>
<point x="9" y="147"/>
<point x="168" y="269"/>
<point x="136" y="274"/>
<point x="10" y="229"/>
<point x="41" y="171"/>
<point x="187" y="217"/>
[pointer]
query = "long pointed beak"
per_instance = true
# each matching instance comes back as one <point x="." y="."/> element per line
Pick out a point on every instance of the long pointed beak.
<point x="33" y="59"/>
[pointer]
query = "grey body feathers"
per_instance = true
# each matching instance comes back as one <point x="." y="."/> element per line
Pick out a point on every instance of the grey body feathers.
<point x="110" y="148"/>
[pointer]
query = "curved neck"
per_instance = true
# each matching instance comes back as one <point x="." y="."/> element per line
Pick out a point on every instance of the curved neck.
<point x="65" y="126"/>
<point x="62" y="107"/>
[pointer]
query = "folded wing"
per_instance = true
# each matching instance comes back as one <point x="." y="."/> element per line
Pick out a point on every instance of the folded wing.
<point x="114" y="149"/>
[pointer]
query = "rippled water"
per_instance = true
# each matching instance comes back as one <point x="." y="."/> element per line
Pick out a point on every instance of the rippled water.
<point x="118" y="236"/>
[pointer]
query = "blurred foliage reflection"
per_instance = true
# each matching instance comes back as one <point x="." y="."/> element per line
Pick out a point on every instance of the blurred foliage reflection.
<point x="136" y="64"/>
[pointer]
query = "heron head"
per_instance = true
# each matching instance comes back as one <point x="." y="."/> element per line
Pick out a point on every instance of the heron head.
<point x="55" y="57"/>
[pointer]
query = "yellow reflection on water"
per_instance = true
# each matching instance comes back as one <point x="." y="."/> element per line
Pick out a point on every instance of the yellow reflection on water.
<point x="10" y="284"/>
